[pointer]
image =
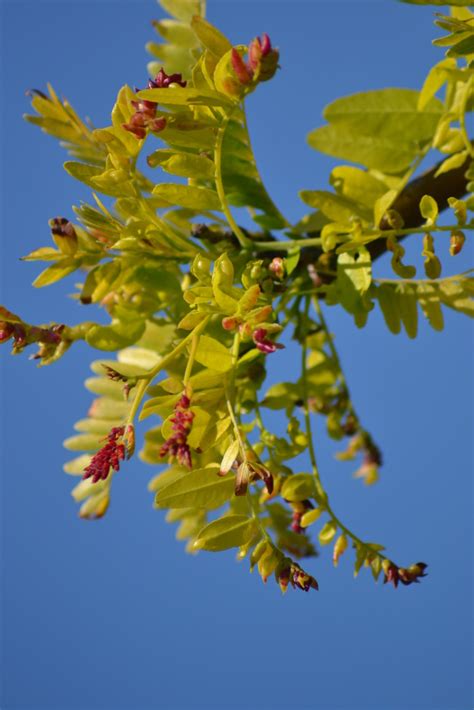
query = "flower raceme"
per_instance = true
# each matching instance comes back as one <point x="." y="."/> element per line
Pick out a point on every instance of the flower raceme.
<point x="119" y="445"/>
<point x="176" y="446"/>
<point x="145" y="117"/>
<point x="406" y="576"/>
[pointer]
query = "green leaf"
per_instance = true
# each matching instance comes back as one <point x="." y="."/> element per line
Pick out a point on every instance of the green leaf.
<point x="183" y="10"/>
<point x="386" y="154"/>
<point x="298" y="487"/>
<point x="224" y="533"/>
<point x="83" y="442"/>
<point x="357" y="185"/>
<point x="212" y="354"/>
<point x="210" y="37"/>
<point x="203" y="488"/>
<point x="453" y="162"/>
<point x="336" y="207"/>
<point x="56" y="272"/>
<point x="408" y="310"/>
<point x="387" y="113"/>
<point x="178" y="96"/>
<point x="430" y="304"/>
<point x="358" y="269"/>
<point x="462" y="48"/>
<point x="388" y="302"/>
<point x="437" y="76"/>
<point x="187" y="165"/>
<point x="196" y="198"/>
<point x="76" y="466"/>
<point x="115" y="336"/>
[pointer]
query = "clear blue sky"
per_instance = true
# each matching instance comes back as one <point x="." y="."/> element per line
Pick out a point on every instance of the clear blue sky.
<point x="114" y="614"/>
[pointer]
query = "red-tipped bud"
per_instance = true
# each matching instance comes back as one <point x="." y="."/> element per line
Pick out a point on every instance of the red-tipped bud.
<point x="456" y="242"/>
<point x="242" y="71"/>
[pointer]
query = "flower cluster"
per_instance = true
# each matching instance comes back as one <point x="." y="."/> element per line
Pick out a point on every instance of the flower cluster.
<point x="109" y="456"/>
<point x="261" y="64"/>
<point x="23" y="334"/>
<point x="176" y="446"/>
<point x="406" y="576"/>
<point x="145" y="117"/>
<point x="291" y="573"/>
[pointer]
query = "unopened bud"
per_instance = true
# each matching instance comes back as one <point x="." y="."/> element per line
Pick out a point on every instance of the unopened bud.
<point x="64" y="235"/>
<point x="277" y="268"/>
<point x="340" y="547"/>
<point x="244" y="75"/>
<point x="456" y="242"/>
<point x="230" y="323"/>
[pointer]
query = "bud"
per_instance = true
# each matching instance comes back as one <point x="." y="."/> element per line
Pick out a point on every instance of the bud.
<point x="263" y="59"/>
<point x="157" y="124"/>
<point x="244" y="75"/>
<point x="230" y="323"/>
<point x="456" y="242"/>
<point x="340" y="546"/>
<point x="277" y="268"/>
<point x="64" y="235"/>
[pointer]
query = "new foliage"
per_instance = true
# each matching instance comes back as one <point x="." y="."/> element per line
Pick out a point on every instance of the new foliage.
<point x="197" y="303"/>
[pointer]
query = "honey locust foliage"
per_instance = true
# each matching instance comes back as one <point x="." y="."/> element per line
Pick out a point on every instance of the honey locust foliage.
<point x="197" y="304"/>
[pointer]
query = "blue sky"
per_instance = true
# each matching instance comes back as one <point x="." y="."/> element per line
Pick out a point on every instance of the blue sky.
<point x="114" y="614"/>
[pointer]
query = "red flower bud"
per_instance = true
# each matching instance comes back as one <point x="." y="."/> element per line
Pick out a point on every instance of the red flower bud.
<point x="242" y="71"/>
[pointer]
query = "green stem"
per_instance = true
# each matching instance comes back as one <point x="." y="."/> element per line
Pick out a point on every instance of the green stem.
<point x="277" y="211"/>
<point x="322" y="499"/>
<point x="243" y="240"/>
<point x="462" y="118"/>
<point x="192" y="354"/>
<point x="144" y="380"/>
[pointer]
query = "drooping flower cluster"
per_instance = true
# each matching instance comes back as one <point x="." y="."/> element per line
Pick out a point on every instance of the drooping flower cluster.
<point x="176" y="446"/>
<point x="261" y="64"/>
<point x="22" y="334"/>
<point x="406" y="576"/>
<point x="108" y="457"/>
<point x="145" y="117"/>
<point x="291" y="573"/>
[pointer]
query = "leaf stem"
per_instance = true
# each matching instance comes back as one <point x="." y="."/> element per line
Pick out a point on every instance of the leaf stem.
<point x="243" y="240"/>
<point x="144" y="380"/>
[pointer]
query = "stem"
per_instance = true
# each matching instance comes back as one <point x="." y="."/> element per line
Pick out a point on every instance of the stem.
<point x="304" y="356"/>
<point x="277" y="211"/>
<point x="335" y="357"/>
<point x="144" y="380"/>
<point x="323" y="499"/>
<point x="462" y="118"/>
<point x="189" y="366"/>
<point x="243" y="240"/>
